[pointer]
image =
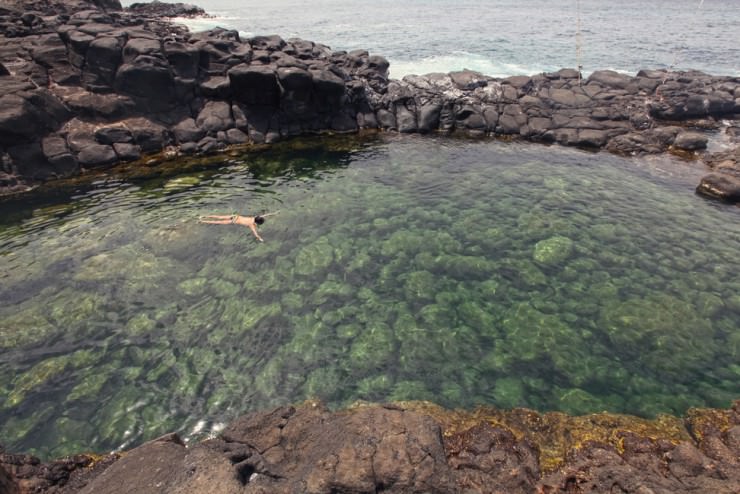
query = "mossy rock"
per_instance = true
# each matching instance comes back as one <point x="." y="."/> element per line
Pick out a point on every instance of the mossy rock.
<point x="419" y="285"/>
<point x="314" y="257"/>
<point x="48" y="370"/>
<point x="88" y="389"/>
<point x="477" y="316"/>
<point x="292" y="301"/>
<point x="25" y="327"/>
<point x="664" y="331"/>
<point x="373" y="348"/>
<point x="331" y="290"/>
<point x="523" y="273"/>
<point x="403" y="242"/>
<point x="467" y="267"/>
<point x="323" y="383"/>
<point x="576" y="401"/>
<point x="374" y="388"/>
<point x="553" y="251"/>
<point x="223" y="288"/>
<point x="508" y="392"/>
<point x="411" y="390"/>
<point x="182" y="182"/>
<point x="17" y="427"/>
<point x="141" y="323"/>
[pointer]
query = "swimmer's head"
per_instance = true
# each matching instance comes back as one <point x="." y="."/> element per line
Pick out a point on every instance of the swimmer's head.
<point x="259" y="220"/>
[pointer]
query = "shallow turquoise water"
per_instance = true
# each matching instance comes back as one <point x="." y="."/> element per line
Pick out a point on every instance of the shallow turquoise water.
<point x="463" y="272"/>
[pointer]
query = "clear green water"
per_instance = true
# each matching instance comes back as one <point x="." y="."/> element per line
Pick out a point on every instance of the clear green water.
<point x="463" y="272"/>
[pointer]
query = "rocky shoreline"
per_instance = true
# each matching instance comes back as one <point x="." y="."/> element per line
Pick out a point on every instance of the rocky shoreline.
<point x="412" y="448"/>
<point x="88" y="85"/>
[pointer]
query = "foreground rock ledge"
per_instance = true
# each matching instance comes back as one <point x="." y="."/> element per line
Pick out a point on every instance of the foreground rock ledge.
<point x="413" y="448"/>
<point x="86" y="85"/>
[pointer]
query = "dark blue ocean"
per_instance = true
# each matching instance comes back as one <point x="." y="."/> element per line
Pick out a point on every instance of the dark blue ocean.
<point x="504" y="37"/>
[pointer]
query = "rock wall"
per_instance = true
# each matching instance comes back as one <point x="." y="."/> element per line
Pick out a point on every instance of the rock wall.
<point x="414" y="448"/>
<point x="88" y="85"/>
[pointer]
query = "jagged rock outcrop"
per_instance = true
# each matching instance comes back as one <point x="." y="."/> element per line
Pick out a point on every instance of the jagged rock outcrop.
<point x="70" y="68"/>
<point x="414" y="448"/>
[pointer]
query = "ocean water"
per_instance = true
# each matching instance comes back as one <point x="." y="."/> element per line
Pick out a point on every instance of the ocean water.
<point x="464" y="272"/>
<point x="504" y="37"/>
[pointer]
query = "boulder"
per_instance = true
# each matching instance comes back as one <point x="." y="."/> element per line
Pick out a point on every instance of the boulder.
<point x="406" y="118"/>
<point x="568" y="98"/>
<point x="215" y="116"/>
<point x="147" y="77"/>
<point x="183" y="58"/>
<point x="127" y="151"/>
<point x="254" y="85"/>
<point x="99" y="106"/>
<point x="141" y="46"/>
<point x="720" y="186"/>
<point x="19" y="120"/>
<point x="149" y="135"/>
<point x="208" y="144"/>
<point x="690" y="141"/>
<point x="217" y="87"/>
<point x="429" y="116"/>
<point x="468" y="79"/>
<point x="188" y="131"/>
<point x="329" y="90"/>
<point x="29" y="162"/>
<point x="353" y="452"/>
<point x="57" y="154"/>
<point x="296" y="85"/>
<point x="113" y="134"/>
<point x="610" y="78"/>
<point x="102" y="58"/>
<point x="78" y="43"/>
<point x="268" y="43"/>
<point x="153" y="467"/>
<point x="592" y="138"/>
<point x="379" y="65"/>
<point x="470" y="117"/>
<point x="236" y="136"/>
<point x="96" y="155"/>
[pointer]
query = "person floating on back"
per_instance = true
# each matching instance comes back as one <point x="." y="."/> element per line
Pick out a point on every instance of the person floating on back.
<point x="250" y="222"/>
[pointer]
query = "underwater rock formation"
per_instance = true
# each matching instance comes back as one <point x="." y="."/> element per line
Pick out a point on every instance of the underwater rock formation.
<point x="87" y="85"/>
<point x="413" y="447"/>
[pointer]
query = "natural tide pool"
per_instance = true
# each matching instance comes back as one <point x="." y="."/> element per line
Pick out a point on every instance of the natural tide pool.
<point x="462" y="272"/>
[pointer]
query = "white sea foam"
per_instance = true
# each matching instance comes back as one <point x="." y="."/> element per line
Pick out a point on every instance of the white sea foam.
<point x="197" y="24"/>
<point x="459" y="61"/>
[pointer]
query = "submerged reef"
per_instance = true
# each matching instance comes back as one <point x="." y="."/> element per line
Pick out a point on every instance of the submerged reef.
<point x="86" y="85"/>
<point x="412" y="447"/>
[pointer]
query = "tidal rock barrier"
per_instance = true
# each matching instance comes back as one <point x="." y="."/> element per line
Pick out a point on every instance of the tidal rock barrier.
<point x="86" y="85"/>
<point x="412" y="448"/>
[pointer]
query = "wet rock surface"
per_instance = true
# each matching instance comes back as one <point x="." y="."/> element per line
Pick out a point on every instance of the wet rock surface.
<point x="413" y="447"/>
<point x="65" y="63"/>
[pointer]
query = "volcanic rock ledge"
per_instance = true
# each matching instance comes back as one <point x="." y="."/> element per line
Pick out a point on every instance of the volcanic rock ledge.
<point x="413" y="448"/>
<point x="88" y="85"/>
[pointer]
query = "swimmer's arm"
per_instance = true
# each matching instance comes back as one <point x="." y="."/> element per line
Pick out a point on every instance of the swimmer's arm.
<point x="256" y="234"/>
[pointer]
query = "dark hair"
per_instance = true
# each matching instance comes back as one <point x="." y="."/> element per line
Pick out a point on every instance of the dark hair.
<point x="259" y="220"/>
